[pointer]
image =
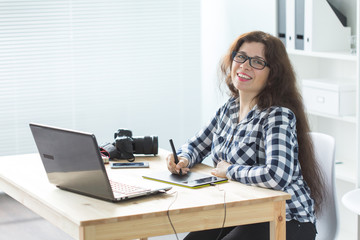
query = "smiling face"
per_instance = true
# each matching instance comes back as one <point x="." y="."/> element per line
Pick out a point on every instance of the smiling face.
<point x="246" y="79"/>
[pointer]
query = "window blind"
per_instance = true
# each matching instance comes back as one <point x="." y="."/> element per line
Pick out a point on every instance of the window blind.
<point x="98" y="66"/>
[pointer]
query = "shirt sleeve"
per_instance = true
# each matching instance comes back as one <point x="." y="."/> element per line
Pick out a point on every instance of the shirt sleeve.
<point x="281" y="151"/>
<point x="200" y="146"/>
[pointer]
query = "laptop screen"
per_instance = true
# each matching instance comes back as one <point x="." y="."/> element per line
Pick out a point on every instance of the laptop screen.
<point x="72" y="160"/>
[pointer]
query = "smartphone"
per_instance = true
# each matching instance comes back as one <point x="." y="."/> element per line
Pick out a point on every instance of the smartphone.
<point x="129" y="165"/>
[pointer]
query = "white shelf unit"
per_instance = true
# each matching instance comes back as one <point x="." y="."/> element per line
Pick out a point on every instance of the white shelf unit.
<point x="345" y="129"/>
<point x="338" y="55"/>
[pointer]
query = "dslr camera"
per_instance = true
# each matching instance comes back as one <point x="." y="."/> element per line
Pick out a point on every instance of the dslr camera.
<point x="126" y="145"/>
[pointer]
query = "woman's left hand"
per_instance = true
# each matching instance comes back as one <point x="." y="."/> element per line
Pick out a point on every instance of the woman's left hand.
<point x="221" y="169"/>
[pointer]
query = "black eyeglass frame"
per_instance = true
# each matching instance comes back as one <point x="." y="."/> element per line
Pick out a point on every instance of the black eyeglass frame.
<point x="249" y="58"/>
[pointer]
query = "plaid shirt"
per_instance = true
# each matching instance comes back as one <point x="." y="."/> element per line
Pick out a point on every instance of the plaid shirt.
<point x="262" y="149"/>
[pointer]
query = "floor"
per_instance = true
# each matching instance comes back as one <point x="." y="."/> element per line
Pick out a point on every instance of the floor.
<point x="18" y="222"/>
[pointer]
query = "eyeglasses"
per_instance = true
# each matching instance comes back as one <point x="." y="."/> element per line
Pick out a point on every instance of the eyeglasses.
<point x="254" y="62"/>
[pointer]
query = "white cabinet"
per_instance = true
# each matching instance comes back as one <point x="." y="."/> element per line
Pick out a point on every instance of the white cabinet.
<point x="342" y="66"/>
<point x="341" y="122"/>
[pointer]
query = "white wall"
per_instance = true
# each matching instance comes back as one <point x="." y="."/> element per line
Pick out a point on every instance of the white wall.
<point x="221" y="22"/>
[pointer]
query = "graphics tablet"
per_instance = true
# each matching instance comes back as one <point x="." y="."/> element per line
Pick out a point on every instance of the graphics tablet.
<point x="190" y="180"/>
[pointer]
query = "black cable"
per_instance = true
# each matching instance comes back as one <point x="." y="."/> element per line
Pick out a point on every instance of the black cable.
<point x="223" y="224"/>
<point x="168" y="214"/>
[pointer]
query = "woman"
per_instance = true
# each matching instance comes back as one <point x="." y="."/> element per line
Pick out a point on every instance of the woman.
<point x="260" y="137"/>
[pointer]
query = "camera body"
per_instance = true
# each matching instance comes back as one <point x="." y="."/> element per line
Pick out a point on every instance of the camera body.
<point x="126" y="145"/>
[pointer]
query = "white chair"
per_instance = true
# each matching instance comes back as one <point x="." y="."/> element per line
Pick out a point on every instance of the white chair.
<point x="351" y="200"/>
<point x="327" y="222"/>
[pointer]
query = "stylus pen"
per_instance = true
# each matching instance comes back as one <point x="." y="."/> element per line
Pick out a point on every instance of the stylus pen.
<point x="174" y="153"/>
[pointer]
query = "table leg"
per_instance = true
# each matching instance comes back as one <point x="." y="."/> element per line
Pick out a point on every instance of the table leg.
<point x="278" y="225"/>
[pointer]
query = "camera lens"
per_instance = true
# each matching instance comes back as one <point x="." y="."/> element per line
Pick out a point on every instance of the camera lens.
<point x="145" y="145"/>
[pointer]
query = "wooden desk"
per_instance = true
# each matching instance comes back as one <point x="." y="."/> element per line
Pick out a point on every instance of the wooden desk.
<point x="23" y="178"/>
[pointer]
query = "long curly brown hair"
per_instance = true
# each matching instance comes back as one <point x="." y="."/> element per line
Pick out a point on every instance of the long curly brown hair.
<point x="281" y="90"/>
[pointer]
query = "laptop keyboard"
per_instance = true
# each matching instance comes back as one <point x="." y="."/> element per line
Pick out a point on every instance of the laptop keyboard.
<point x="126" y="189"/>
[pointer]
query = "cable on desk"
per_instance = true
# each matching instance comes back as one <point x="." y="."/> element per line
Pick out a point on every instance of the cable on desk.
<point x="223" y="225"/>
<point x="168" y="214"/>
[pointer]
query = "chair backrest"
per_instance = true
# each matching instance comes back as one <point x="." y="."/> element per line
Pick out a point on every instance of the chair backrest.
<point x="327" y="221"/>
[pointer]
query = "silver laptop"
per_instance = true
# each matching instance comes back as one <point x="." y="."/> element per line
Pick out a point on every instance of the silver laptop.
<point x="73" y="162"/>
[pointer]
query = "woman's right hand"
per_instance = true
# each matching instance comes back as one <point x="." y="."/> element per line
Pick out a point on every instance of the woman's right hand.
<point x="175" y="168"/>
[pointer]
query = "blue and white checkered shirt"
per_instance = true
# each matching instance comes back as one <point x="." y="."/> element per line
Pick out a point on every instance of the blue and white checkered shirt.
<point x="262" y="149"/>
